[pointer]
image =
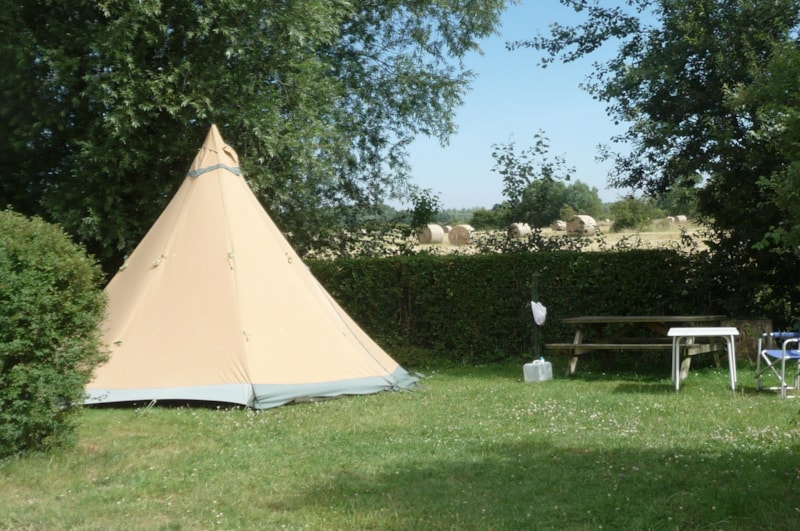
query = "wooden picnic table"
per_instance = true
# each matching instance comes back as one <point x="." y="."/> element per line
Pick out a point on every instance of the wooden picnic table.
<point x="616" y="332"/>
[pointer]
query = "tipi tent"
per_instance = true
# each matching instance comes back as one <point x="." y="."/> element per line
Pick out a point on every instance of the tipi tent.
<point x="214" y="305"/>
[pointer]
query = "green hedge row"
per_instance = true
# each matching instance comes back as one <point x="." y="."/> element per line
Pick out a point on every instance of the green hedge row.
<point x="476" y="308"/>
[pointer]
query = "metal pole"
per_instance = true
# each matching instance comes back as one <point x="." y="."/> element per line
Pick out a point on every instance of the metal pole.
<point x="535" y="339"/>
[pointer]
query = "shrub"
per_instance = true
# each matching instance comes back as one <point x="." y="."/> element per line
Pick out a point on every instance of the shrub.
<point x="633" y="213"/>
<point x="51" y="306"/>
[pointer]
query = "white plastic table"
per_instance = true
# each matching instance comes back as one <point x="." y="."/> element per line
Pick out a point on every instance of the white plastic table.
<point x="727" y="333"/>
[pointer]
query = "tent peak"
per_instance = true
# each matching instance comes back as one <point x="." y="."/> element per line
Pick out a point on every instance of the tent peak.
<point x="214" y="154"/>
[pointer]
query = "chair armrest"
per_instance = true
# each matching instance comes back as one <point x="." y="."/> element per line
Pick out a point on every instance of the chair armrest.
<point x="782" y="335"/>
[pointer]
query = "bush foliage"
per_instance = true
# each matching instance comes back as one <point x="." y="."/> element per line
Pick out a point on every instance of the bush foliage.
<point x="51" y="305"/>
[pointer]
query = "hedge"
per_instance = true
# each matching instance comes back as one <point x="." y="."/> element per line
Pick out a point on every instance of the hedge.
<point x="476" y="308"/>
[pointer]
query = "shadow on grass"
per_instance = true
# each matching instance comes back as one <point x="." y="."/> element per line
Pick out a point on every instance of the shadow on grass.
<point x="532" y="485"/>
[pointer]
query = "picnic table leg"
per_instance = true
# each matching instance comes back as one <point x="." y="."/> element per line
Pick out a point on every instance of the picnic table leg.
<point x="573" y="363"/>
<point x="680" y="368"/>
<point x="686" y="364"/>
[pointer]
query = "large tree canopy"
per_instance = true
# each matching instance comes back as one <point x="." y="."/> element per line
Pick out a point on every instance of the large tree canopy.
<point x="679" y="79"/>
<point x="775" y="94"/>
<point x="104" y="103"/>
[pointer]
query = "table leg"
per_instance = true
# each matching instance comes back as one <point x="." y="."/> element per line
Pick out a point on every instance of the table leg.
<point x="730" y="343"/>
<point x="732" y="361"/>
<point x="675" y="360"/>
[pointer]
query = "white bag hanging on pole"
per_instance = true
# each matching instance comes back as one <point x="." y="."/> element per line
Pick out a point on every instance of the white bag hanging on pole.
<point x="539" y="312"/>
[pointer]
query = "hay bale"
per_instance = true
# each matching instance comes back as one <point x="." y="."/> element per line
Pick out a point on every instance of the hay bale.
<point x="431" y="233"/>
<point x="681" y="219"/>
<point x="460" y="234"/>
<point x="558" y="225"/>
<point x="447" y="229"/>
<point x="581" y="223"/>
<point x="519" y="230"/>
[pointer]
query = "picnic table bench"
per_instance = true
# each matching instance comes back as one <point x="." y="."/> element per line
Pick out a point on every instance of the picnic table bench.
<point x="613" y="333"/>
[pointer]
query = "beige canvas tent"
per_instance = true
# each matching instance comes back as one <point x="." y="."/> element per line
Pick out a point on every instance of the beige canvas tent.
<point x="214" y="305"/>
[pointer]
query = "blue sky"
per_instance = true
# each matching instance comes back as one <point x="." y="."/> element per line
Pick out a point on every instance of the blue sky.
<point x="512" y="99"/>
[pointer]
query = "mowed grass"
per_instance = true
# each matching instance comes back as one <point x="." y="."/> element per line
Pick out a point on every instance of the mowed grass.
<point x="471" y="448"/>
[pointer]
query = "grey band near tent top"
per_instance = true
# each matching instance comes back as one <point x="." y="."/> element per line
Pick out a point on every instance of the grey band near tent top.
<point x="200" y="171"/>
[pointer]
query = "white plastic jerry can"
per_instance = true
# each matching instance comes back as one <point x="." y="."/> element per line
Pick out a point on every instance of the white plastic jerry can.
<point x="538" y="371"/>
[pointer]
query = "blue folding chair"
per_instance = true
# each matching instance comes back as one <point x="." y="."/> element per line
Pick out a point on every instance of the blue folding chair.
<point x="777" y="360"/>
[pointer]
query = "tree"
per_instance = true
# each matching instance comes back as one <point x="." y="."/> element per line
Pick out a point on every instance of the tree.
<point x="425" y="206"/>
<point x="496" y="218"/>
<point x="546" y="200"/>
<point x="775" y="95"/>
<point x="532" y="183"/>
<point x="535" y="186"/>
<point x="681" y="199"/>
<point x="542" y="201"/>
<point x="519" y="170"/>
<point x="678" y="69"/>
<point x="104" y="104"/>
<point x="633" y="213"/>
<point x="583" y="199"/>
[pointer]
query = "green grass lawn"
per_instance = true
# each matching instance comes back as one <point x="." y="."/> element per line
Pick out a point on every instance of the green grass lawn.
<point x="471" y="448"/>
